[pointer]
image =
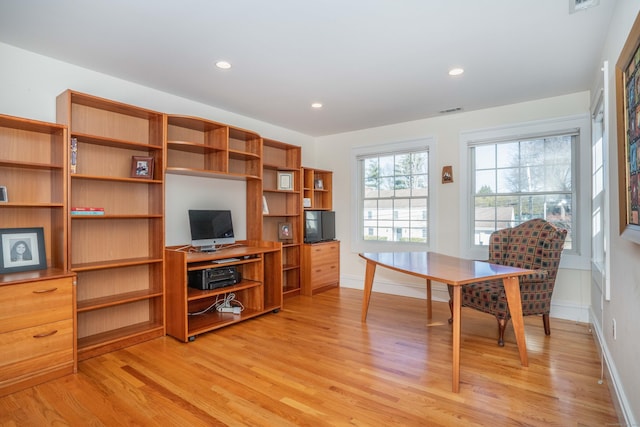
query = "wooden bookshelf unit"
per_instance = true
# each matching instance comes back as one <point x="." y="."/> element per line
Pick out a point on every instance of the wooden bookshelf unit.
<point x="259" y="291"/>
<point x="118" y="256"/>
<point x="37" y="321"/>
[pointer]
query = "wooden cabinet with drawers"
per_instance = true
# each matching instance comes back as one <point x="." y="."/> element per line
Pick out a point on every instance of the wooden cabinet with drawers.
<point x="36" y="330"/>
<point x="321" y="267"/>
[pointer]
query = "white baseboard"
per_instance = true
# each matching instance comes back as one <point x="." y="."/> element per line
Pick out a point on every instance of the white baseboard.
<point x="617" y="392"/>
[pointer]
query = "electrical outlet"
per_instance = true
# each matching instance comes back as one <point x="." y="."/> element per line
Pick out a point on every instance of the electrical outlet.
<point x="613" y="322"/>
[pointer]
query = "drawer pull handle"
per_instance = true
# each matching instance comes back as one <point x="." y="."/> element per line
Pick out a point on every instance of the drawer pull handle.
<point x="46" y="334"/>
<point x="44" y="291"/>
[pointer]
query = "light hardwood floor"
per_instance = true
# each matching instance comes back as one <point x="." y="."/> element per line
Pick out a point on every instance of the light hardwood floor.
<point x="315" y="364"/>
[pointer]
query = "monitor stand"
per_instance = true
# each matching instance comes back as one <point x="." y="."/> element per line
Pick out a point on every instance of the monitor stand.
<point x="209" y="248"/>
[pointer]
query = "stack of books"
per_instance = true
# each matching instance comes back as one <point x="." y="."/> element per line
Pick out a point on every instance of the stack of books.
<point x="87" y="211"/>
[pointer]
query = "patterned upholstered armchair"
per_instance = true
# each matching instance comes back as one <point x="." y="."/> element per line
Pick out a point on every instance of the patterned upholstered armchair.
<point x="535" y="245"/>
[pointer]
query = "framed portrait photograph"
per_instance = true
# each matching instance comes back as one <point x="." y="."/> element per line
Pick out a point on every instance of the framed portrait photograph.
<point x="285" y="181"/>
<point x="22" y="249"/>
<point x="142" y="167"/>
<point x="4" y="197"/>
<point x="628" y="127"/>
<point x="285" y="232"/>
<point x="318" y="184"/>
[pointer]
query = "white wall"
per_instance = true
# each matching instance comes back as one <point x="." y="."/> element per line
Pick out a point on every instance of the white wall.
<point x="571" y="297"/>
<point x="29" y="84"/>
<point x="621" y="354"/>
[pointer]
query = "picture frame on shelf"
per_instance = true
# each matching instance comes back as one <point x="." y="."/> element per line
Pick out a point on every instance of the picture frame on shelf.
<point x="142" y="167"/>
<point x="265" y="206"/>
<point x="318" y="184"/>
<point x="285" y="181"/>
<point x="4" y="197"/>
<point x="285" y="232"/>
<point x="22" y="249"/>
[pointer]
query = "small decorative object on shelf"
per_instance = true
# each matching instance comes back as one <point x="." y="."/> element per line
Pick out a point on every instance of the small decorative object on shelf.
<point x="74" y="155"/>
<point x="285" y="232"/>
<point x="265" y="207"/>
<point x="306" y="202"/>
<point x="142" y="167"/>
<point x="285" y="181"/>
<point x="22" y="249"/>
<point x="3" y="194"/>
<point x="318" y="184"/>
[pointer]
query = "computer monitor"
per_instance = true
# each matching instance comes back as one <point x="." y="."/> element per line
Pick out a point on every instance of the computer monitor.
<point x="210" y="229"/>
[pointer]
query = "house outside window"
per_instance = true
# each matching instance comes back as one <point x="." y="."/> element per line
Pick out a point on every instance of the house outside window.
<point x="393" y="196"/>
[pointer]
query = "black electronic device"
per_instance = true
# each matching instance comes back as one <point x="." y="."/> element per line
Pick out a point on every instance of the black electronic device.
<point x="210" y="228"/>
<point x="319" y="226"/>
<point x="214" y="278"/>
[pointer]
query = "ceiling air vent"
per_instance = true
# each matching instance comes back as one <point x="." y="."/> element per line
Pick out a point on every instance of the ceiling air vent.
<point x="450" y="110"/>
<point x="578" y="5"/>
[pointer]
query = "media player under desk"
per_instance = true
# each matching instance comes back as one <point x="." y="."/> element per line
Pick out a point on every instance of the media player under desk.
<point x="456" y="272"/>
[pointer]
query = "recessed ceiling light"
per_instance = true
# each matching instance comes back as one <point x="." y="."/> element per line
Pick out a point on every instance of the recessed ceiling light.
<point x="224" y="65"/>
<point x="316" y="105"/>
<point x="456" y="71"/>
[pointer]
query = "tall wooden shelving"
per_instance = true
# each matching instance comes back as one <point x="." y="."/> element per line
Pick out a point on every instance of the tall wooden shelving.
<point x="118" y="256"/>
<point x="37" y="340"/>
<point x="283" y="206"/>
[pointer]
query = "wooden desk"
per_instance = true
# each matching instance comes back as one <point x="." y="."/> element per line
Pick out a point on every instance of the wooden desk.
<point x="456" y="272"/>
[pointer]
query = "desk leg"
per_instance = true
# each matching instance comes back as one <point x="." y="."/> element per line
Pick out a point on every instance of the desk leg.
<point x="368" y="284"/>
<point x="512" y="290"/>
<point x="429" y="309"/>
<point x="457" y="304"/>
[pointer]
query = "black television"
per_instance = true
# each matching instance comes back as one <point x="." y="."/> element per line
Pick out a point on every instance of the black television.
<point x="210" y="229"/>
<point x="319" y="226"/>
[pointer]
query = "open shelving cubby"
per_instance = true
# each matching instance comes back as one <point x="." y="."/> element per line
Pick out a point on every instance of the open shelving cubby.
<point x="117" y="255"/>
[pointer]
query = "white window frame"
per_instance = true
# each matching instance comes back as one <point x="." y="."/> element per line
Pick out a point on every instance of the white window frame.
<point x="580" y="256"/>
<point x="358" y="243"/>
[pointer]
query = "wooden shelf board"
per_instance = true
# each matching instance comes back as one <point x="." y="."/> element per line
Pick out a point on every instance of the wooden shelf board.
<point x="290" y="267"/>
<point x="191" y="147"/>
<point x="112" y="142"/>
<point x="117" y="338"/>
<point x="209" y="321"/>
<point x="75" y="176"/>
<point x="29" y="276"/>
<point x="112" y="300"/>
<point x="30" y="165"/>
<point x="30" y="205"/>
<point x="243" y="155"/>
<point x="196" y="294"/>
<point x="114" y="263"/>
<point x="106" y="216"/>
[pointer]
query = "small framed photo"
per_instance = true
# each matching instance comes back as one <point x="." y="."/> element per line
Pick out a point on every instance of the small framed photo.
<point x="4" y="197"/>
<point x="318" y="184"/>
<point x="285" y="181"/>
<point x="22" y="249"/>
<point x="142" y="167"/>
<point x="447" y="174"/>
<point x="285" y="232"/>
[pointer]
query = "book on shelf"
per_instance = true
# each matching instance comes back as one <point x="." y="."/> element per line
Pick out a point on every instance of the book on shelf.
<point x="74" y="154"/>
<point x="81" y="210"/>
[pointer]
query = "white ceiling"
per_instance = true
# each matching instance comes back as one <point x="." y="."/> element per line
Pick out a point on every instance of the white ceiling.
<point x="370" y="62"/>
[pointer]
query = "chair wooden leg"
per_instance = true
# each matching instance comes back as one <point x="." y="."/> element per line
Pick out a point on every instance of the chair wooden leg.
<point x="451" y="310"/>
<point x="545" y="322"/>
<point x="502" y="325"/>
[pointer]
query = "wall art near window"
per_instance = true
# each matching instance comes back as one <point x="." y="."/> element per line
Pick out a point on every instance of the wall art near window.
<point x="628" y="115"/>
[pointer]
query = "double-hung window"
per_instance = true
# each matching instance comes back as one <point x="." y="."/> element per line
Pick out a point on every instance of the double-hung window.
<point x="393" y="196"/>
<point x="517" y="180"/>
<point x="527" y="171"/>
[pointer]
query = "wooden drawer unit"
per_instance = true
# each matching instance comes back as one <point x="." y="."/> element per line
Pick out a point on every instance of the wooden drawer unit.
<point x="36" y="332"/>
<point x="321" y="267"/>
